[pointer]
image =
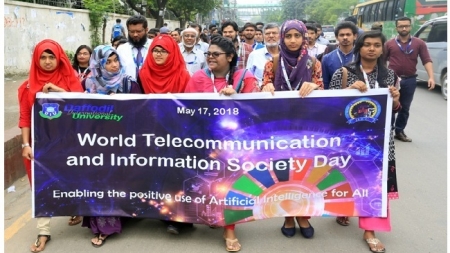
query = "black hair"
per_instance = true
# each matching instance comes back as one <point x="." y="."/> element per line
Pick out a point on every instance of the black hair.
<point x="176" y="30"/>
<point x="204" y="37"/>
<point x="122" y="41"/>
<point x="345" y="25"/>
<point x="381" y="61"/>
<point x="317" y="25"/>
<point x="152" y="31"/>
<point x="402" y="19"/>
<point x="351" y="19"/>
<point x="117" y="38"/>
<point x="310" y="26"/>
<point x="48" y="51"/>
<point x="75" y="63"/>
<point x="228" y="47"/>
<point x="259" y="30"/>
<point x="196" y="27"/>
<point x="118" y="20"/>
<point x="211" y="26"/>
<point x="249" y="24"/>
<point x="137" y="19"/>
<point x="230" y="23"/>
<point x="259" y="23"/>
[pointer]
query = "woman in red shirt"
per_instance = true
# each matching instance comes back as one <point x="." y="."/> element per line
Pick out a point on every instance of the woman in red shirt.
<point x="50" y="71"/>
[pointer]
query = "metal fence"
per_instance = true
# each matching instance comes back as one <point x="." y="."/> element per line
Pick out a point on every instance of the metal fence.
<point x="76" y="4"/>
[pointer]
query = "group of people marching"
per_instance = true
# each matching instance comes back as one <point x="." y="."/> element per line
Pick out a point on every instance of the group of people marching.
<point x="287" y="61"/>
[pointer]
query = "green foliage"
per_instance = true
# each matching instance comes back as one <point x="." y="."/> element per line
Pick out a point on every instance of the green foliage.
<point x="329" y="11"/>
<point x="97" y="13"/>
<point x="187" y="9"/>
<point x="70" y="55"/>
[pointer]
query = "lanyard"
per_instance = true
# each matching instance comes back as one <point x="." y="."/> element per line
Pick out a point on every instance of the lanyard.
<point x="366" y="78"/>
<point x="406" y="51"/>
<point x="82" y="75"/>
<point x="286" y="78"/>
<point x="212" y="80"/>
<point x="193" y="62"/>
<point x="340" y="59"/>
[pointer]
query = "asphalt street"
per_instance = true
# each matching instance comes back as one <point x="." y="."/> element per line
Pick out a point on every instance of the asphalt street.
<point x="419" y="217"/>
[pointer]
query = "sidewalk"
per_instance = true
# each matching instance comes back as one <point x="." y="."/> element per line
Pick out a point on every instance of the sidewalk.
<point x="13" y="165"/>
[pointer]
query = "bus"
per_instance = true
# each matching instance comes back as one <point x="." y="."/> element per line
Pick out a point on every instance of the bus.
<point x="387" y="11"/>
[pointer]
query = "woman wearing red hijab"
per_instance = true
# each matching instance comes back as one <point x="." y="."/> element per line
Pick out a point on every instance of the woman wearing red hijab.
<point x="50" y="71"/>
<point x="165" y="70"/>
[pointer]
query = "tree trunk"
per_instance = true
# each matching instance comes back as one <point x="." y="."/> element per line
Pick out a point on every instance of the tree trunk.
<point x="104" y="31"/>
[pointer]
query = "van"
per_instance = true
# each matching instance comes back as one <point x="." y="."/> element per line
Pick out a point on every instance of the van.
<point x="434" y="34"/>
<point x="328" y="33"/>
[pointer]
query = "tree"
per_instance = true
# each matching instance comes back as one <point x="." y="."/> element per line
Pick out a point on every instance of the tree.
<point x="153" y="9"/>
<point x="328" y="11"/>
<point x="97" y="17"/>
<point x="294" y="9"/>
<point x="185" y="10"/>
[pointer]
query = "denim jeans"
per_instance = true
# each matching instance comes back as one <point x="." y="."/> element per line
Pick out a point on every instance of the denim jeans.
<point x="407" y="89"/>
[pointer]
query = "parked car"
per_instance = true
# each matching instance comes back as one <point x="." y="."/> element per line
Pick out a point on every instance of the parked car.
<point x="328" y="33"/>
<point x="434" y="33"/>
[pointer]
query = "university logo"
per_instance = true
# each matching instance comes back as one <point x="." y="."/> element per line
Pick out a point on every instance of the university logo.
<point x="50" y="111"/>
<point x="362" y="109"/>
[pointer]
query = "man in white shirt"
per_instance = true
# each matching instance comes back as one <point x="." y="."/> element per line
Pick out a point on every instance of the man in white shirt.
<point x="314" y="48"/>
<point x="194" y="58"/>
<point x="133" y="53"/>
<point x="258" y="58"/>
<point x="199" y="44"/>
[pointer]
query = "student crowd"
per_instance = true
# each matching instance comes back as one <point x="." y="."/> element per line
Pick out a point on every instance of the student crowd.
<point x="228" y="60"/>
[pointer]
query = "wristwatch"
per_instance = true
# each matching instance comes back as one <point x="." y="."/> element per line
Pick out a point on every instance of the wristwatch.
<point x="25" y="145"/>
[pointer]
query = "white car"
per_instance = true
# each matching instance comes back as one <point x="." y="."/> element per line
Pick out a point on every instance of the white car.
<point x="328" y="33"/>
<point x="434" y="33"/>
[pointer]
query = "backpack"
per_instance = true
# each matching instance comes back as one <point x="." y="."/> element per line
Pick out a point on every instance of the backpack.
<point x="117" y="30"/>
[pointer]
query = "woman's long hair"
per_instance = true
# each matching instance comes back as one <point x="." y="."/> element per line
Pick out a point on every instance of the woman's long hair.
<point x="381" y="61"/>
<point x="228" y="47"/>
<point x="76" y="64"/>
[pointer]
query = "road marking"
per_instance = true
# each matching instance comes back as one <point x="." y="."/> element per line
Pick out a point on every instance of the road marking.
<point x="17" y="225"/>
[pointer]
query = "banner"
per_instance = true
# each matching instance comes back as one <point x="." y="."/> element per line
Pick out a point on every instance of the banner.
<point x="206" y="158"/>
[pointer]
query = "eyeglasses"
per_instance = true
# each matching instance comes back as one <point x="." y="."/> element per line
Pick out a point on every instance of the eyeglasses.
<point x="403" y="26"/>
<point x="85" y="54"/>
<point x="213" y="54"/>
<point x="160" y="52"/>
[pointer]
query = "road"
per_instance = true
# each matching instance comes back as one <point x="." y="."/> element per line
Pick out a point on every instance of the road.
<point x="419" y="217"/>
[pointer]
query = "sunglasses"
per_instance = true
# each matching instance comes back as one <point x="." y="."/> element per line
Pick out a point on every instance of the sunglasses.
<point x="213" y="54"/>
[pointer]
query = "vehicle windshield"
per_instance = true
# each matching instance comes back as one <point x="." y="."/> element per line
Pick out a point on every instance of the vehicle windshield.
<point x="327" y="29"/>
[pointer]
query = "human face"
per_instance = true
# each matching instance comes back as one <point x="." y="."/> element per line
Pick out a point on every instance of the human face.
<point x="83" y="56"/>
<point x="403" y="27"/>
<point x="189" y="38"/>
<point x="151" y="36"/>
<point x="312" y="36"/>
<point x="272" y="37"/>
<point x="176" y="36"/>
<point x="249" y="33"/>
<point x="371" y="49"/>
<point x="115" y="44"/>
<point x="220" y="63"/>
<point x="229" y="32"/>
<point x="346" y="37"/>
<point x="48" y="62"/>
<point x="137" y="32"/>
<point x="259" y="36"/>
<point x="293" y="40"/>
<point x="319" y="32"/>
<point x="160" y="55"/>
<point x="112" y="64"/>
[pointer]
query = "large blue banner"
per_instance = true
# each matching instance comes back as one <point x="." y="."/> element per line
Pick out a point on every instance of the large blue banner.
<point x="206" y="158"/>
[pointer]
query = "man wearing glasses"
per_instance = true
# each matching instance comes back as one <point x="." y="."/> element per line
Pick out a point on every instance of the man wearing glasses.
<point x="402" y="53"/>
<point x="194" y="58"/>
<point x="133" y="53"/>
<point x="258" y="58"/>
